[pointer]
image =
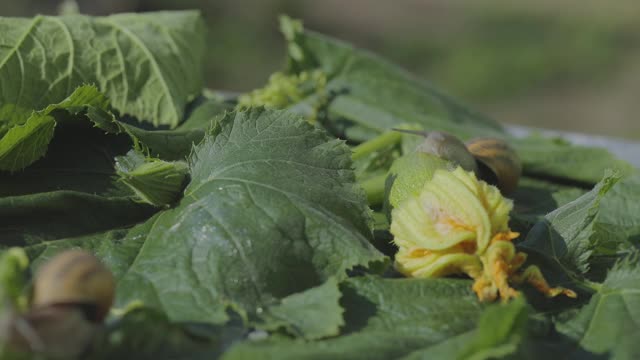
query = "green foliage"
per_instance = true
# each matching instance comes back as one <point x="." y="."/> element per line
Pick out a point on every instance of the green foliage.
<point x="373" y="96"/>
<point x="238" y="232"/>
<point x="13" y="264"/>
<point x="156" y="182"/>
<point x="385" y="318"/>
<point x="27" y="140"/>
<point x="148" y="65"/>
<point x="312" y="314"/>
<point x="557" y="158"/>
<point x="566" y="234"/>
<point x="286" y="176"/>
<point x="500" y="331"/>
<point x="283" y="90"/>
<point x="609" y="322"/>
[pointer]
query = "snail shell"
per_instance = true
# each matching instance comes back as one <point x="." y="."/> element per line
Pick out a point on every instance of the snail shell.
<point x="445" y="146"/>
<point x="75" y="277"/>
<point x="499" y="163"/>
<point x="52" y="332"/>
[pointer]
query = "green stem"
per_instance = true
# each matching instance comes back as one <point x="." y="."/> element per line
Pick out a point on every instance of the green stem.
<point x="389" y="138"/>
<point x="374" y="189"/>
<point x="591" y="285"/>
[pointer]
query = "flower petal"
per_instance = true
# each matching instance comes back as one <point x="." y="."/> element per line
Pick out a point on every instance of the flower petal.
<point x="424" y="264"/>
<point x="446" y="213"/>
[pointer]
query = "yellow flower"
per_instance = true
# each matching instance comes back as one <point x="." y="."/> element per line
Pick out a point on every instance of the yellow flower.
<point x="459" y="224"/>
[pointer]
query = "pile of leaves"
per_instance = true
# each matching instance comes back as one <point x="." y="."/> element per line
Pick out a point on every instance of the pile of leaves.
<point x="241" y="227"/>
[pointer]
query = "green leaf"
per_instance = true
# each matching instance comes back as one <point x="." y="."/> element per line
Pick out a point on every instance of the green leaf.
<point x="385" y="319"/>
<point x="176" y="144"/>
<point x="610" y="322"/>
<point x="148" y="334"/>
<point x="72" y="191"/>
<point x="271" y="210"/>
<point x="566" y="234"/>
<point x="25" y="143"/>
<point x="149" y="65"/>
<point x="204" y="110"/>
<point x="555" y="159"/>
<point x="430" y="307"/>
<point x="154" y="181"/>
<point x="311" y="314"/>
<point x="359" y="346"/>
<point x="31" y="219"/>
<point x="500" y="331"/>
<point x="534" y="198"/>
<point x="618" y="224"/>
<point x="13" y="265"/>
<point x="116" y="248"/>
<point x="373" y="95"/>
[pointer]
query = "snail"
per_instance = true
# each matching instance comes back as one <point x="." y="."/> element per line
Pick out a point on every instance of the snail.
<point x="72" y="294"/>
<point x="55" y="332"/>
<point x="75" y="278"/>
<point x="445" y="146"/>
<point x="492" y="159"/>
<point x="499" y="164"/>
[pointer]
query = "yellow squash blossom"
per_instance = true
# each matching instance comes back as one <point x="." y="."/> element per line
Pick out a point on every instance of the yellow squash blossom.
<point x="459" y="224"/>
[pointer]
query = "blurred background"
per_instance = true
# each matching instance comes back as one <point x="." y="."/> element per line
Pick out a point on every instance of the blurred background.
<point x="562" y="64"/>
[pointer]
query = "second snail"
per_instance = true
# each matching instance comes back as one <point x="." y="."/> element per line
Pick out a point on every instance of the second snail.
<point x="72" y="294"/>
<point x="492" y="159"/>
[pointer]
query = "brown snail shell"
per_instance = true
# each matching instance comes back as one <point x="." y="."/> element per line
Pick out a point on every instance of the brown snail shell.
<point x="53" y="332"/>
<point x="75" y="277"/>
<point x="445" y="146"/>
<point x="499" y="162"/>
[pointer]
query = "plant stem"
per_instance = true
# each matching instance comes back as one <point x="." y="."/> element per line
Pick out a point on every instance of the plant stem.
<point x="374" y="189"/>
<point x="388" y="138"/>
<point x="592" y="285"/>
<point x="586" y="285"/>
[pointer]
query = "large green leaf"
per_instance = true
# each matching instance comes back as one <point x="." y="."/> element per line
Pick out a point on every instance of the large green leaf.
<point x="271" y="210"/>
<point x="618" y="225"/>
<point x="72" y="191"/>
<point x="428" y="307"/>
<point x="559" y="160"/>
<point x="176" y="144"/>
<point x="75" y="189"/>
<point x="25" y="143"/>
<point x="566" y="234"/>
<point x="610" y="323"/>
<point x="149" y="65"/>
<point x="374" y="95"/>
<point x="30" y="219"/>
<point x="385" y="319"/>
<point x="534" y="198"/>
<point x="147" y="334"/>
<point x="117" y="248"/>
<point x="500" y="331"/>
<point x="311" y="314"/>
